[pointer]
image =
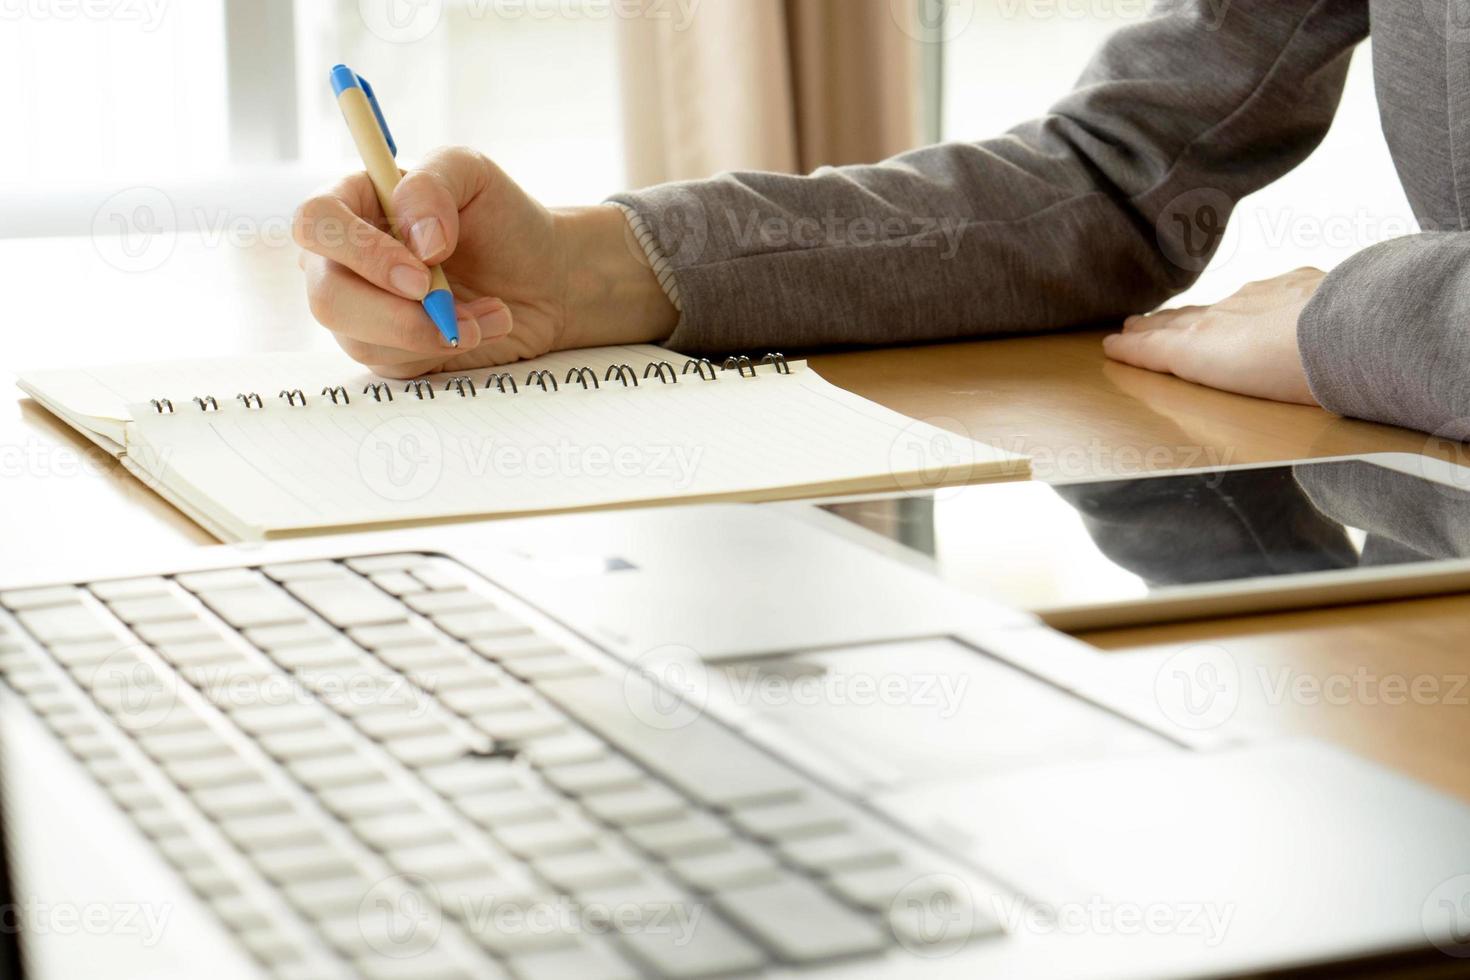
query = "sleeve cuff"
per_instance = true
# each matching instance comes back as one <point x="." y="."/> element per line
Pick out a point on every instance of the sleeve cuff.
<point x="657" y="260"/>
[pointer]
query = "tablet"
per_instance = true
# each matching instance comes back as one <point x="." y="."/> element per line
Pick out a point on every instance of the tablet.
<point x="1180" y="545"/>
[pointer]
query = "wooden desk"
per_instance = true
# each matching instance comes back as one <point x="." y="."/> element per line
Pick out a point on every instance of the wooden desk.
<point x="1055" y="398"/>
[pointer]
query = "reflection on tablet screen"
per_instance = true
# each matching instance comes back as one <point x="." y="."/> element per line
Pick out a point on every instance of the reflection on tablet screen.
<point x="1039" y="546"/>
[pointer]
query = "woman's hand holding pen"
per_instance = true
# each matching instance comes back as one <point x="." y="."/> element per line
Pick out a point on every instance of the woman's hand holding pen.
<point x="527" y="280"/>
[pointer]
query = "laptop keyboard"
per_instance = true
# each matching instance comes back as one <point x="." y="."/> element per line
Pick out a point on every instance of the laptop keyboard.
<point x="383" y="767"/>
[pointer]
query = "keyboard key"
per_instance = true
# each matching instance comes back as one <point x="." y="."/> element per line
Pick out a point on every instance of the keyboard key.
<point x="512" y="647"/>
<point x="545" y="838"/>
<point x="649" y="803"/>
<point x="196" y="743"/>
<point x="272" y="830"/>
<point x="838" y="852"/>
<point x="194" y="774"/>
<point x="348" y="602"/>
<point x="269" y="719"/>
<point x="129" y="588"/>
<point x="429" y="750"/>
<point x="383" y="725"/>
<point x="385" y="563"/>
<point x="392" y="634"/>
<point x="591" y="958"/>
<point x="513" y="726"/>
<point x="329" y="772"/>
<point x="477" y="624"/>
<point x="195" y="629"/>
<point x="251" y="797"/>
<point x="330" y="896"/>
<point x="488" y="699"/>
<point x="694" y="833"/>
<point x="196" y="650"/>
<point x="304" y="743"/>
<point x="443" y="576"/>
<point x="397" y="583"/>
<point x="470" y="775"/>
<point x="85" y="654"/>
<point x="566" y="749"/>
<point x="811" y="817"/>
<point x="438" y="603"/>
<point x="407" y="829"/>
<point x="446" y="861"/>
<point x="365" y="800"/>
<point x="288" y="865"/>
<point x="592" y="869"/>
<point x="69" y="623"/>
<point x="318" y="656"/>
<point x="153" y="609"/>
<point x="553" y="665"/>
<point x="218" y="581"/>
<point x="681" y="754"/>
<point x="741" y="864"/>
<point x="505" y="808"/>
<point x="301" y="570"/>
<point x="257" y="605"/>
<point x="876" y="888"/>
<point x="272" y="638"/>
<point x="691" y="941"/>
<point x="800" y="922"/>
<point x="606" y="775"/>
<point x="59" y="595"/>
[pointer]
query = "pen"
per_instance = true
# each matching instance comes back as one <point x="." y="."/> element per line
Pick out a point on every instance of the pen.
<point x="379" y="155"/>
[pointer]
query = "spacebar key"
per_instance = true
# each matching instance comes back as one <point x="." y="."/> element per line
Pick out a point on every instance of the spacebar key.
<point x="696" y="754"/>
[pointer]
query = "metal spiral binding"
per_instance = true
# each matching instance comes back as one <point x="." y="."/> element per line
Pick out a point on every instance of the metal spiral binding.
<point x="583" y="375"/>
<point x="623" y="373"/>
<point x="423" y="390"/>
<point x="460" y="383"/>
<point x="500" y="381"/>
<point x="699" y="366"/>
<point x="542" y="378"/>
<point x="740" y="364"/>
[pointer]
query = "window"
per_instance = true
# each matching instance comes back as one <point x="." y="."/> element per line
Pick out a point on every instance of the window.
<point x="224" y="106"/>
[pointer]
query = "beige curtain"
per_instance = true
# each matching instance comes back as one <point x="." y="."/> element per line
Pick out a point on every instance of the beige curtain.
<point x="784" y="85"/>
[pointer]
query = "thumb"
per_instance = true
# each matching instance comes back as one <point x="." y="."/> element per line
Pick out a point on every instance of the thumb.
<point x="428" y="200"/>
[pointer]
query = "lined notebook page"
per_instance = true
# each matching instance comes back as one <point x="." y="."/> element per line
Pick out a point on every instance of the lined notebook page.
<point x="286" y="470"/>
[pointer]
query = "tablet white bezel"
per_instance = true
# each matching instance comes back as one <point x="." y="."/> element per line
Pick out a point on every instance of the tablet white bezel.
<point x="1242" y="596"/>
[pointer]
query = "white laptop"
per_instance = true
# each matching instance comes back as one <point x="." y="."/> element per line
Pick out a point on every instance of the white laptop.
<point x="707" y="741"/>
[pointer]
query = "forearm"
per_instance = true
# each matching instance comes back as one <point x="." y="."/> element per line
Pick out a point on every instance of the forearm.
<point x="1386" y="336"/>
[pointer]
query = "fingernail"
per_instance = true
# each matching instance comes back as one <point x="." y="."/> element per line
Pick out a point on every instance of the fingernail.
<point x="427" y="238"/>
<point x="496" y="324"/>
<point x="411" y="282"/>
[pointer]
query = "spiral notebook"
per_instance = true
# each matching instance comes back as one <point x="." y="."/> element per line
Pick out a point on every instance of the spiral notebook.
<point x="290" y="444"/>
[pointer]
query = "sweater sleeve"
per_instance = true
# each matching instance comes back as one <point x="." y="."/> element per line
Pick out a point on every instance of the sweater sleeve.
<point x="1106" y="207"/>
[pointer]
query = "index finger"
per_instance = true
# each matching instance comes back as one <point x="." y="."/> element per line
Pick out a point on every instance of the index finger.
<point x="342" y="224"/>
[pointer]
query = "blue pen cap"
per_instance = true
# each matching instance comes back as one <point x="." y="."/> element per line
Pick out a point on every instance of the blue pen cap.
<point x="344" y="78"/>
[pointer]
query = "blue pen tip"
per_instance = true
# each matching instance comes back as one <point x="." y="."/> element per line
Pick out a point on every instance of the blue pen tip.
<point x="440" y="307"/>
